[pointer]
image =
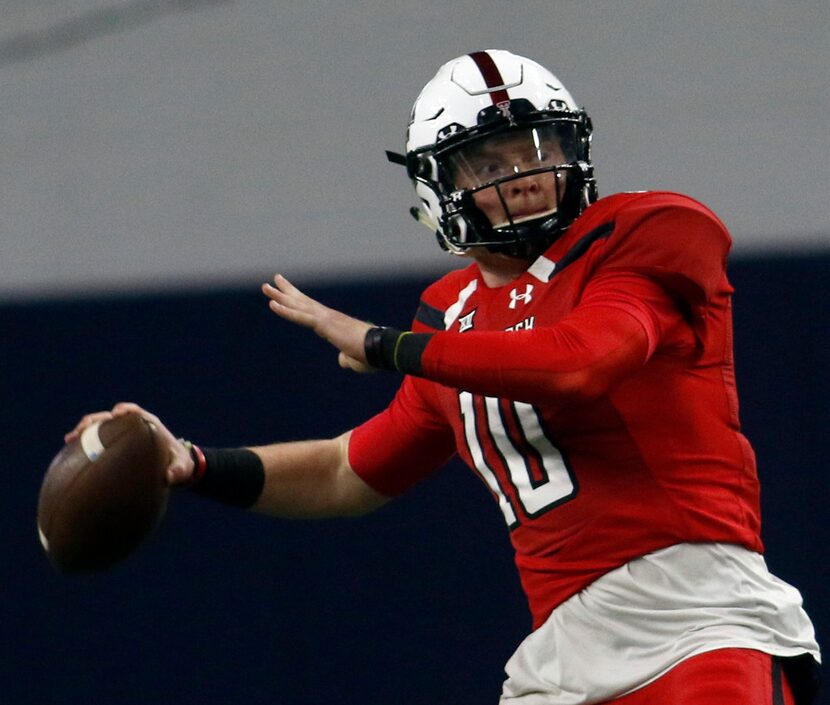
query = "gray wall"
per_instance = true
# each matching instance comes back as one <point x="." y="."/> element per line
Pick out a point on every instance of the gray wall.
<point x="161" y="143"/>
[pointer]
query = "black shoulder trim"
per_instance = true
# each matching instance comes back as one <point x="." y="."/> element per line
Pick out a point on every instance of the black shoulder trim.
<point x="582" y="245"/>
<point x="430" y="316"/>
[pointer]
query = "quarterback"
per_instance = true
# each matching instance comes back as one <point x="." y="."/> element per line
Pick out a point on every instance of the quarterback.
<point x="581" y="365"/>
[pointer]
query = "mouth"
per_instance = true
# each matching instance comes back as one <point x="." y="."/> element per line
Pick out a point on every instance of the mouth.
<point x="520" y="218"/>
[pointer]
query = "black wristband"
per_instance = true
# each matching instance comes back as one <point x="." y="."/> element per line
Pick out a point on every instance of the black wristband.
<point x="379" y="347"/>
<point x="391" y="349"/>
<point x="233" y="476"/>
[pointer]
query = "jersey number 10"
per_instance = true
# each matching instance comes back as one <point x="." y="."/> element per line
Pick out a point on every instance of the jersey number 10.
<point x="515" y="457"/>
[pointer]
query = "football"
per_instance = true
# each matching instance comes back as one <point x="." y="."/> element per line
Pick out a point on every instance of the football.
<point x="103" y="494"/>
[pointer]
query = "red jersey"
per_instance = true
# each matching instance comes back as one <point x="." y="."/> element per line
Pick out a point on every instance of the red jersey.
<point x="587" y="482"/>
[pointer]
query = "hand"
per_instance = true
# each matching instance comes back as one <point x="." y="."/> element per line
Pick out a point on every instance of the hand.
<point x="345" y="333"/>
<point x="179" y="469"/>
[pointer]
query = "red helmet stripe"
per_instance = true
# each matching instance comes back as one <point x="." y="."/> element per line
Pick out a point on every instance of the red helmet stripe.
<point x="491" y="74"/>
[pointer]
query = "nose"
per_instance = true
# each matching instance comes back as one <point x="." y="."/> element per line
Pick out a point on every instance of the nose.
<point x="527" y="185"/>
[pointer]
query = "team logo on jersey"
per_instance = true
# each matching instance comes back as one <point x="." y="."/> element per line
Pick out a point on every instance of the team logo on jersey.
<point x="526" y="324"/>
<point x="466" y="322"/>
<point x="525" y="298"/>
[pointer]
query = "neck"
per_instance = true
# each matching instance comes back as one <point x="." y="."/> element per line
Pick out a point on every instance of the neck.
<point x="499" y="269"/>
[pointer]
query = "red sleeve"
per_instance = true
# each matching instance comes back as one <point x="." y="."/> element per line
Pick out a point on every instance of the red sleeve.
<point x="610" y="334"/>
<point x="678" y="243"/>
<point x="404" y="443"/>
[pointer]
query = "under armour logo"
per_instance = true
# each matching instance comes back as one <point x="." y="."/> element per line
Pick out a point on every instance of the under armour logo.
<point x="449" y="131"/>
<point x="466" y="322"/>
<point x="526" y="298"/>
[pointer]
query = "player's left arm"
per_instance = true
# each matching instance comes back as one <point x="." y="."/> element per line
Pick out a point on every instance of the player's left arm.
<point x="611" y="334"/>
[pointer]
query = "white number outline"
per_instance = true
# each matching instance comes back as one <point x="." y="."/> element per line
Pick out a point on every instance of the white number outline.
<point x="535" y="497"/>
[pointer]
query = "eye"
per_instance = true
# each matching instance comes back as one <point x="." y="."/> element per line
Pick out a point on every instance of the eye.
<point x="551" y="156"/>
<point x="490" y="169"/>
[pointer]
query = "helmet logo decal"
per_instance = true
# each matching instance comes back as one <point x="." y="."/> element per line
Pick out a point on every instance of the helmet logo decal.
<point x="448" y="131"/>
<point x="504" y="107"/>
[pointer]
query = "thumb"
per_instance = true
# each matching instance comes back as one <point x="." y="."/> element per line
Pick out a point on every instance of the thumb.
<point x="349" y="363"/>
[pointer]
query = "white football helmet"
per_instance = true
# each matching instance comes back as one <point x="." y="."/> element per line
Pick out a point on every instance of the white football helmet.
<point x="489" y="124"/>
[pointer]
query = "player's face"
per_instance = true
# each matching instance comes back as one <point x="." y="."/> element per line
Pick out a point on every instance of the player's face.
<point x="504" y="156"/>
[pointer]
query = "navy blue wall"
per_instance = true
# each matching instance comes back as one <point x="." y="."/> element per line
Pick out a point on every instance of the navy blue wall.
<point x="418" y="603"/>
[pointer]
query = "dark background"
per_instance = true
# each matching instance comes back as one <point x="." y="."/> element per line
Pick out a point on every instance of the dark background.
<point x="417" y="603"/>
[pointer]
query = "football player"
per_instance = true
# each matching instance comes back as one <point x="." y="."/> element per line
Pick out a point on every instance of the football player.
<point x="581" y="365"/>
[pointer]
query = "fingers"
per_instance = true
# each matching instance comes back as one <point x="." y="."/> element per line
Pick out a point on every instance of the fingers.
<point x="180" y="470"/>
<point x="98" y="416"/>
<point x="283" y="291"/>
<point x="286" y="286"/>
<point x="288" y="302"/>
<point x="341" y="330"/>
<point x="180" y="467"/>
<point x="123" y="408"/>
<point x="301" y="318"/>
<point x="85" y="422"/>
<point x="119" y="409"/>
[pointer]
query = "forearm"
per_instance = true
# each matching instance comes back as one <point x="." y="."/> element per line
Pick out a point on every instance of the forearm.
<point x="572" y="362"/>
<point x="576" y="360"/>
<point x="313" y="479"/>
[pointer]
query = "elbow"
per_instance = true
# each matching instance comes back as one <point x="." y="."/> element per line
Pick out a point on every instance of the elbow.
<point x="351" y="495"/>
<point x="357" y="501"/>
<point x="573" y="388"/>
